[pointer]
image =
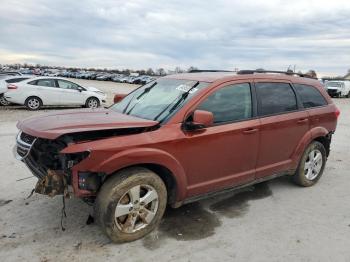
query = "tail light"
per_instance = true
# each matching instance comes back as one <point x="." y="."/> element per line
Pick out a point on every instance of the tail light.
<point x="11" y="86"/>
<point x="337" y="113"/>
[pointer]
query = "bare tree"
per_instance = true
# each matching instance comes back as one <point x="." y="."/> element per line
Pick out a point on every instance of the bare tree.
<point x="178" y="70"/>
<point x="161" y="72"/>
<point x="191" y="68"/>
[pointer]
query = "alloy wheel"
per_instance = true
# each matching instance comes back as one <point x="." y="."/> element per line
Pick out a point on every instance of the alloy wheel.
<point x="313" y="164"/>
<point x="92" y="103"/>
<point x="136" y="209"/>
<point x="33" y="103"/>
<point x="3" y="101"/>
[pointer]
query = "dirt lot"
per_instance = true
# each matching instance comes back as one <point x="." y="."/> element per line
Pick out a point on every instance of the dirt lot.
<point x="274" y="221"/>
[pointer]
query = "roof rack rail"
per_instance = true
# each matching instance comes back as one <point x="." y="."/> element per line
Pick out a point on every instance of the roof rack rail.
<point x="247" y="72"/>
<point x="207" y="71"/>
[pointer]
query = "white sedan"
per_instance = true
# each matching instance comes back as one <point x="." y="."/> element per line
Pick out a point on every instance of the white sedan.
<point x="4" y="81"/>
<point x="53" y="91"/>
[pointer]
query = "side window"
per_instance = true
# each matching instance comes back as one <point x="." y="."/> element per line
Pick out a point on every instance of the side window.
<point x="67" y="85"/>
<point x="33" y="82"/>
<point x="46" y="82"/>
<point x="274" y="98"/>
<point x="310" y="96"/>
<point x="230" y="103"/>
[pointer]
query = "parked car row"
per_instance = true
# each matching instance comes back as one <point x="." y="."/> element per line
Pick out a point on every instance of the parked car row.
<point x="120" y="78"/>
<point x="35" y="92"/>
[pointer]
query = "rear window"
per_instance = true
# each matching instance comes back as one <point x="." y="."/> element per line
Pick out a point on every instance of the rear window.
<point x="15" y="80"/>
<point x="310" y="96"/>
<point x="275" y="98"/>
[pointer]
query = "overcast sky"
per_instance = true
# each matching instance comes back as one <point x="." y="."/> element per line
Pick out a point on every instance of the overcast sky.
<point x="207" y="34"/>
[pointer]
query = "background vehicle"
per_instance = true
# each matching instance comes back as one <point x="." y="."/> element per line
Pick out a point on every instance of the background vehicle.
<point x="179" y="139"/>
<point x="338" y="88"/>
<point x="34" y="93"/>
<point x="4" y="81"/>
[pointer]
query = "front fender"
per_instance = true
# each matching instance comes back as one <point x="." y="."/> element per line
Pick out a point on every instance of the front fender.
<point x="139" y="156"/>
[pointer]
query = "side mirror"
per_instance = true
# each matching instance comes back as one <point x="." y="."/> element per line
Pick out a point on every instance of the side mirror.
<point x="201" y="120"/>
<point x="80" y="89"/>
<point x="119" y="97"/>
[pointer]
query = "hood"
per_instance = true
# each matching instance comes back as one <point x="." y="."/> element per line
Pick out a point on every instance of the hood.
<point x="93" y="89"/>
<point x="53" y="125"/>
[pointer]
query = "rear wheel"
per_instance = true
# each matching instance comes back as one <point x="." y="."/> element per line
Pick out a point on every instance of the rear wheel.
<point x="3" y="101"/>
<point x="130" y="204"/>
<point x="348" y="95"/>
<point x="33" y="103"/>
<point x="92" y="102"/>
<point x="311" y="165"/>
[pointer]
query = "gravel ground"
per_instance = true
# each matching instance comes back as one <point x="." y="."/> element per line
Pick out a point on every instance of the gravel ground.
<point x="275" y="221"/>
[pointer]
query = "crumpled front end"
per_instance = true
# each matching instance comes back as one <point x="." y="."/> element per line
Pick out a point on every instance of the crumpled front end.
<point x="44" y="160"/>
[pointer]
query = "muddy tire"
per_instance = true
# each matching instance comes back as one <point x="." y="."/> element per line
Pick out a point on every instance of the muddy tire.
<point x="33" y="103"/>
<point x="311" y="165"/>
<point x="130" y="204"/>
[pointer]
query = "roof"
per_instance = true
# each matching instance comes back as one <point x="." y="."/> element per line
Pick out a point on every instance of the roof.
<point x="211" y="77"/>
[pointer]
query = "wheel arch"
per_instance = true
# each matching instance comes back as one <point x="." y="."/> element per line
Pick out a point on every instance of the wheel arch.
<point x="319" y="134"/>
<point x="162" y="163"/>
<point x="163" y="172"/>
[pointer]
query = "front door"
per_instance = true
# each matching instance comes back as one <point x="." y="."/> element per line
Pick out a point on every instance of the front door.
<point x="223" y="155"/>
<point x="70" y="93"/>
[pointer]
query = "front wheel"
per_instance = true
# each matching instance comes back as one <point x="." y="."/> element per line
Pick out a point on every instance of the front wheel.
<point x="92" y="102"/>
<point x="130" y="204"/>
<point x="311" y="165"/>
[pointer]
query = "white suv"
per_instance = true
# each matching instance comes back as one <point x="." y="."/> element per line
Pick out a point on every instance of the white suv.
<point x="339" y="88"/>
<point x="53" y="91"/>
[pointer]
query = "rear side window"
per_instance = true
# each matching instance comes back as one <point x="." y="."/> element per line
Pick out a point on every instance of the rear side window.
<point x="46" y="82"/>
<point x="310" y="96"/>
<point x="230" y="103"/>
<point x="275" y="98"/>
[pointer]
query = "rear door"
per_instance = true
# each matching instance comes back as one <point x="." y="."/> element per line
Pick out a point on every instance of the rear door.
<point x="48" y="91"/>
<point x="283" y="125"/>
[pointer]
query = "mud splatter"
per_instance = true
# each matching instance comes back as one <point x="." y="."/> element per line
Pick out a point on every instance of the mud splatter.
<point x="237" y="205"/>
<point x="4" y="202"/>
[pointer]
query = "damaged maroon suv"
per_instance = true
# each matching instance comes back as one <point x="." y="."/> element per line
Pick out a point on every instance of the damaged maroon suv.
<point x="178" y="139"/>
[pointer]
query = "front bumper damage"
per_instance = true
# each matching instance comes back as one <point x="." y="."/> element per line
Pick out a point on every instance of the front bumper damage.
<point x="54" y="183"/>
<point x="53" y="169"/>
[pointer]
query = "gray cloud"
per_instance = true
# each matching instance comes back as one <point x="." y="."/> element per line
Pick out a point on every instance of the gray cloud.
<point x="207" y="34"/>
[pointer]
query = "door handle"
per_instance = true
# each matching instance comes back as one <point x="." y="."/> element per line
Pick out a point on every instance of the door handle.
<point x="302" y="121"/>
<point x="250" y="131"/>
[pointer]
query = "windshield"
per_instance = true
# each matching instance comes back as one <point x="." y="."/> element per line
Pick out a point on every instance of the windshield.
<point x="159" y="99"/>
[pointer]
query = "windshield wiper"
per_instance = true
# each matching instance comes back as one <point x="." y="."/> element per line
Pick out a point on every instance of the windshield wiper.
<point x="147" y="89"/>
<point x="179" y="101"/>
